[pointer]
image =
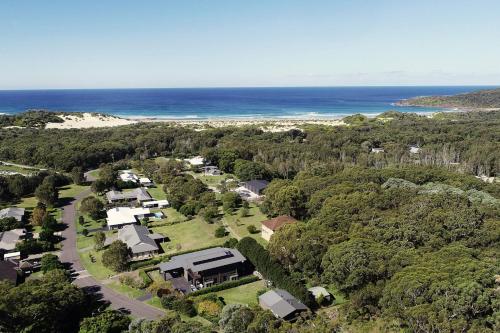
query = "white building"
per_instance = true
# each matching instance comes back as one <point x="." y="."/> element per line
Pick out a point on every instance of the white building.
<point x="128" y="176"/>
<point x="195" y="161"/>
<point x="144" y="181"/>
<point x="120" y="216"/>
<point x="155" y="203"/>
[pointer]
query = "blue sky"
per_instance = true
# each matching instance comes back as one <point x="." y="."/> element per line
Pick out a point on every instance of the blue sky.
<point x="189" y="43"/>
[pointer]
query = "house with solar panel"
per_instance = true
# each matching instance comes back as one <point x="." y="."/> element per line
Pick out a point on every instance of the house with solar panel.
<point x="206" y="268"/>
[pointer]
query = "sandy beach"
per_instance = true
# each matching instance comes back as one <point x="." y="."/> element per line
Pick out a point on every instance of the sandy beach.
<point x="93" y="120"/>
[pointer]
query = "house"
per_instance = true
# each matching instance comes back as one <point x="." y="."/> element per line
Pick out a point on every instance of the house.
<point x="140" y="241"/>
<point x="377" y="150"/>
<point x="9" y="239"/>
<point x="137" y="194"/>
<point x="155" y="204"/>
<point x="33" y="262"/>
<point x="211" y="171"/>
<point x="270" y="226"/>
<point x="414" y="150"/>
<point x="128" y="176"/>
<point x="17" y="213"/>
<point x="318" y="292"/>
<point x="204" y="268"/>
<point x="9" y="271"/>
<point x="121" y="216"/>
<point x="282" y="304"/>
<point x="256" y="186"/>
<point x="196" y="161"/>
<point x="144" y="181"/>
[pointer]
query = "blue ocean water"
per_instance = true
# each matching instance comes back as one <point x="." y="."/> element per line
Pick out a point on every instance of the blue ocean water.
<point x="202" y="103"/>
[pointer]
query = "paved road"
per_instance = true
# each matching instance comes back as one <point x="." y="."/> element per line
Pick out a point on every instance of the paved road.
<point x="85" y="280"/>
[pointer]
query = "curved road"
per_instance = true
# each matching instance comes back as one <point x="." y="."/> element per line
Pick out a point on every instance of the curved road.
<point x="84" y="280"/>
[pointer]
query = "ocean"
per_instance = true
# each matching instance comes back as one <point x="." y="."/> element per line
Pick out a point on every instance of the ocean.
<point x="208" y="103"/>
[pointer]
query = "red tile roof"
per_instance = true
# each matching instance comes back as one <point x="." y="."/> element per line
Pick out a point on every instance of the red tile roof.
<point x="277" y="222"/>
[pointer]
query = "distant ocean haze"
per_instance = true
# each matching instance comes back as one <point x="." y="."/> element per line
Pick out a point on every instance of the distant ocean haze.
<point x="206" y="103"/>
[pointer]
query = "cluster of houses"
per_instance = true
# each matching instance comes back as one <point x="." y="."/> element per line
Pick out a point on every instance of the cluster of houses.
<point x="201" y="269"/>
<point x="129" y="176"/>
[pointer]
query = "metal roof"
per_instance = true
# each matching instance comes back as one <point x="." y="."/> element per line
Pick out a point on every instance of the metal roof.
<point x="281" y="302"/>
<point x="204" y="260"/>
<point x="14" y="212"/>
<point x="137" y="238"/>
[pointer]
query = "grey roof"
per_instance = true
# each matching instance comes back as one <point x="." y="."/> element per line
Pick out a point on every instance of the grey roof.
<point x="281" y="302"/>
<point x="14" y="212"/>
<point x="255" y="184"/>
<point x="137" y="238"/>
<point x="8" y="239"/>
<point x="204" y="260"/>
<point x="8" y="270"/>
<point x="140" y="194"/>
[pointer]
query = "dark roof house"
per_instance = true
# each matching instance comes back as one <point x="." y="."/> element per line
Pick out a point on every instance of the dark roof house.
<point x="256" y="186"/>
<point x="282" y="304"/>
<point x="205" y="268"/>
<point x="8" y="271"/>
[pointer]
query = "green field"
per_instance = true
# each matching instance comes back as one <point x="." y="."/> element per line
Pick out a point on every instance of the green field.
<point x="240" y="224"/>
<point x="211" y="180"/>
<point x="96" y="269"/>
<point x="157" y="192"/>
<point x="245" y="294"/>
<point x="190" y="235"/>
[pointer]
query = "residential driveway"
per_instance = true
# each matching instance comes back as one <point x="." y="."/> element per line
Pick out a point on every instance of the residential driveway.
<point x="85" y="280"/>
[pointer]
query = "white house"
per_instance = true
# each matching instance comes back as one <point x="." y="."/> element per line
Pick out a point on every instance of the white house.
<point x="120" y="216"/>
<point x="414" y="150"/>
<point x="144" y="181"/>
<point x="128" y="176"/>
<point x="377" y="150"/>
<point x="195" y="161"/>
<point x="155" y="203"/>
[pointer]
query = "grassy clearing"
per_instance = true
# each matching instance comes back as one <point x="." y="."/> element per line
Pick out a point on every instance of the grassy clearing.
<point x="189" y="235"/>
<point x="157" y="192"/>
<point x="211" y="180"/>
<point x="11" y="168"/>
<point x="240" y="224"/>
<point x="70" y="191"/>
<point x="96" y="269"/>
<point x="245" y="294"/>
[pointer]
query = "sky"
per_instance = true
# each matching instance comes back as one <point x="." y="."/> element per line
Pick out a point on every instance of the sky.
<point x="211" y="43"/>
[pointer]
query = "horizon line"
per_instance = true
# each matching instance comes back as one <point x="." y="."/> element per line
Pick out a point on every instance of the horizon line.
<point x="258" y="87"/>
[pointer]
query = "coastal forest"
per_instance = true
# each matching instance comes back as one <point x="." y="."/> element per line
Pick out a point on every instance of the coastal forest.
<point x="399" y="213"/>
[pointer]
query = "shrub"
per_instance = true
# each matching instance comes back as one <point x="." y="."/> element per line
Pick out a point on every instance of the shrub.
<point x="220" y="232"/>
<point x="167" y="301"/>
<point x="85" y="232"/>
<point x="146" y="280"/>
<point x="184" y="306"/>
<point x="252" y="229"/>
<point x="209" y="310"/>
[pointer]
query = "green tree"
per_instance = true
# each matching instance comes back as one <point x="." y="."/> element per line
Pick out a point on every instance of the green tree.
<point x="230" y="201"/>
<point x="99" y="239"/>
<point x="50" y="262"/>
<point x="220" y="232"/>
<point x="289" y="200"/>
<point x="109" y="321"/>
<point x="235" y="318"/>
<point x="98" y="186"/>
<point x="354" y="263"/>
<point x="77" y="176"/>
<point x="47" y="194"/>
<point x="48" y="304"/>
<point x="92" y="206"/>
<point x="116" y="256"/>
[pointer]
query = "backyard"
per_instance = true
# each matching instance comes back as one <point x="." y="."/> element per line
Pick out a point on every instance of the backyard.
<point x="245" y="294"/>
<point x="189" y="235"/>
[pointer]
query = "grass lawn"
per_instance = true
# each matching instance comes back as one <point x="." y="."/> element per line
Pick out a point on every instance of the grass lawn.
<point x="70" y="191"/>
<point x="157" y="192"/>
<point x="240" y="224"/>
<point x="126" y="290"/>
<point x="190" y="235"/>
<point x="96" y="268"/>
<point x="211" y="180"/>
<point x="28" y="202"/>
<point x="245" y="294"/>
<point x="94" y="173"/>
<point x="12" y="168"/>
